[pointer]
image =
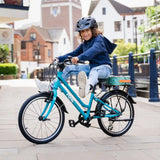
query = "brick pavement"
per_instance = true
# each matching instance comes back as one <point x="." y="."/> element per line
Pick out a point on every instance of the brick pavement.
<point x="142" y="141"/>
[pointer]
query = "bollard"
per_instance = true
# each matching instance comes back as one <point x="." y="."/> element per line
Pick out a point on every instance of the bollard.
<point x="153" y="93"/>
<point x="71" y="79"/>
<point x="115" y="67"/>
<point x="132" y="89"/>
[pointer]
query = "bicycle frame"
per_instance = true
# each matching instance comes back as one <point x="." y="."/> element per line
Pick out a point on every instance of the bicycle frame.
<point x="58" y="84"/>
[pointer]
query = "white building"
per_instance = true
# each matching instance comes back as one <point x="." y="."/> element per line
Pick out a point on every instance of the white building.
<point x="118" y="21"/>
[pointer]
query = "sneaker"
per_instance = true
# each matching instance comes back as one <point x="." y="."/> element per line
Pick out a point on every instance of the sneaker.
<point x="84" y="85"/>
<point x="42" y="86"/>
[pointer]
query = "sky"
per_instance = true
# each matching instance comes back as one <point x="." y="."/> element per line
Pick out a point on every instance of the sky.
<point x="34" y="11"/>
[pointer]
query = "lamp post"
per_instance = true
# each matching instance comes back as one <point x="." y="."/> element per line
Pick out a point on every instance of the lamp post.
<point x="124" y="27"/>
<point x="38" y="47"/>
<point x="135" y="27"/>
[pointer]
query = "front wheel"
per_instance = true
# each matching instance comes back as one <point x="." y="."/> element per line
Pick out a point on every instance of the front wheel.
<point x="33" y="127"/>
<point x="117" y="126"/>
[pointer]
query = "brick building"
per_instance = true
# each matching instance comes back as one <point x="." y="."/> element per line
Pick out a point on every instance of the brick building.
<point x="40" y="45"/>
<point x="62" y="13"/>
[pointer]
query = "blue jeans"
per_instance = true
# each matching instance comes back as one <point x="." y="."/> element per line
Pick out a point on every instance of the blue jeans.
<point x="102" y="71"/>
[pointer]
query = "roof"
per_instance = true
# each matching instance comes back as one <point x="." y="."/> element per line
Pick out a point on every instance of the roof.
<point x="139" y="10"/>
<point x="120" y="8"/>
<point x="48" y="34"/>
<point x="55" y="33"/>
<point x="44" y="33"/>
<point x="21" y="32"/>
<point x="92" y="6"/>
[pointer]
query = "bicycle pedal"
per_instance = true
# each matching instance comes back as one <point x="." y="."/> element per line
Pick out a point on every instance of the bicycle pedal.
<point x="72" y="123"/>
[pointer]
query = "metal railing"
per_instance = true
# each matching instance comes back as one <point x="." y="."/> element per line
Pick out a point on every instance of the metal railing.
<point x="144" y="70"/>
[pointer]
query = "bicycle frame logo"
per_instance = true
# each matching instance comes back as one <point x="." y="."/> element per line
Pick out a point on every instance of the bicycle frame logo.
<point x="70" y="98"/>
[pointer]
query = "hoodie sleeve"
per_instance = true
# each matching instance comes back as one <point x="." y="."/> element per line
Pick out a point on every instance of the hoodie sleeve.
<point x="75" y="53"/>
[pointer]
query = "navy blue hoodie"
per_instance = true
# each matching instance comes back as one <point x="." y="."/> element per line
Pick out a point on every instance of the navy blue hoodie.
<point x="96" y="51"/>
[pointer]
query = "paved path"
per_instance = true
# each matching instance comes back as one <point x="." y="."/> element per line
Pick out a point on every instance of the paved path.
<point x="141" y="142"/>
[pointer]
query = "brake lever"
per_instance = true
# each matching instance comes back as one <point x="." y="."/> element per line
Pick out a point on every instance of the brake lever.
<point x="55" y="62"/>
<point x="70" y="57"/>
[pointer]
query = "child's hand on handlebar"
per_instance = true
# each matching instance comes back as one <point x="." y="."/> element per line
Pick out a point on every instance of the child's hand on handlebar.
<point x="75" y="60"/>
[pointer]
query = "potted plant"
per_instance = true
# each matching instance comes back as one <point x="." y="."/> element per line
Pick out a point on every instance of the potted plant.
<point x="13" y="2"/>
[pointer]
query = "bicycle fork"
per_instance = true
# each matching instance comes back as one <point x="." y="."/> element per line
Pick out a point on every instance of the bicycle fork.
<point x="49" y="105"/>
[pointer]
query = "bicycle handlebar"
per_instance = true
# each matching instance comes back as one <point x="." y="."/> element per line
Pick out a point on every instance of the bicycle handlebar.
<point x="55" y="62"/>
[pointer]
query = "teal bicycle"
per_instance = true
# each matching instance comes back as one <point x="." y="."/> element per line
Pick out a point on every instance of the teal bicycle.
<point x="42" y="116"/>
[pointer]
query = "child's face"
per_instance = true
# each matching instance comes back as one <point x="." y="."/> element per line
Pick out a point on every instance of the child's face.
<point x="86" y="34"/>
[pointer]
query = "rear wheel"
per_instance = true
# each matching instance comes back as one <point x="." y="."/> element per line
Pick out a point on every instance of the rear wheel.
<point x="31" y="124"/>
<point x="117" y="126"/>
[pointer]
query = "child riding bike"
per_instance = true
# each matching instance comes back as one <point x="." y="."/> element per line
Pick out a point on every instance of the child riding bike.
<point x="94" y="48"/>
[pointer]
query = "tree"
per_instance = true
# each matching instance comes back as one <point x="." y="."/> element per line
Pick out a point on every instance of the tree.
<point x="123" y="48"/>
<point x="4" y="53"/>
<point x="150" y="39"/>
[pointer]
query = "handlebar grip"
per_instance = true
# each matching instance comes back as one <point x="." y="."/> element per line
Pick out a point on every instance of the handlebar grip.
<point x="81" y="61"/>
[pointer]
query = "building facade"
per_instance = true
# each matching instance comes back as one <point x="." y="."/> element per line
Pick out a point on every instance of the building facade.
<point x="118" y="21"/>
<point x="40" y="45"/>
<point x="62" y="13"/>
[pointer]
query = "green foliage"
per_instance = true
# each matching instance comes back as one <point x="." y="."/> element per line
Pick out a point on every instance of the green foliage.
<point x="153" y="13"/>
<point x="123" y="48"/>
<point x="149" y="40"/>
<point x="8" y="69"/>
<point x="4" y="53"/>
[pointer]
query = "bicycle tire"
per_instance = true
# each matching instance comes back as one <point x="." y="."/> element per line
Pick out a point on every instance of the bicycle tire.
<point x="119" y="125"/>
<point x="34" y="129"/>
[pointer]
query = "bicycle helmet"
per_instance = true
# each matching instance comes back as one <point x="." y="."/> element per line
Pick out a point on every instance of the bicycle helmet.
<point x="85" y="23"/>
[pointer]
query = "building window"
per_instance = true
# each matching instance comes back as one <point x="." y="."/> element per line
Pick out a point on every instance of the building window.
<point x="64" y="41"/>
<point x="135" y="40"/>
<point x="32" y="36"/>
<point x="49" y="53"/>
<point x="103" y="11"/>
<point x="129" y="40"/>
<point x="117" y="26"/>
<point x="23" y="45"/>
<point x="128" y="24"/>
<point x="101" y="26"/>
<point x="55" y="11"/>
<point x="142" y="21"/>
